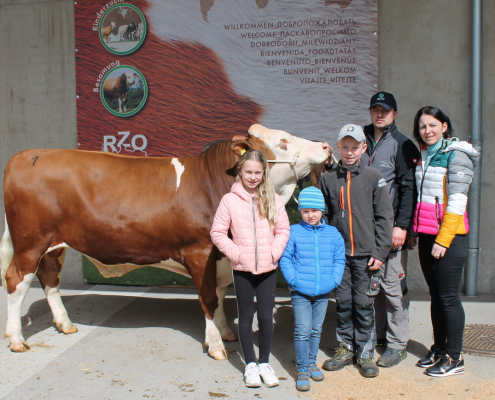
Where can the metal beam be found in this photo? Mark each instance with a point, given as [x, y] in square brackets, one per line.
[474, 203]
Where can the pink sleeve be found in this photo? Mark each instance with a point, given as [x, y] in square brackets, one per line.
[220, 229]
[281, 230]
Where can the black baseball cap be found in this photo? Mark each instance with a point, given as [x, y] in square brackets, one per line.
[384, 99]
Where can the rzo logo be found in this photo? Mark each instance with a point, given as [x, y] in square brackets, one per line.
[110, 143]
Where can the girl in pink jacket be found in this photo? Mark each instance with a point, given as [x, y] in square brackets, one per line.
[257, 219]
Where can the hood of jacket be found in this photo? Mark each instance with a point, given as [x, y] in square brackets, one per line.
[465, 147]
[238, 189]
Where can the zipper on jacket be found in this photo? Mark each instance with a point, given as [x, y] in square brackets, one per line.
[317, 258]
[351, 232]
[421, 186]
[341, 201]
[255, 239]
[437, 211]
[374, 150]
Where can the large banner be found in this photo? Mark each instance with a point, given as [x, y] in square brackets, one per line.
[167, 77]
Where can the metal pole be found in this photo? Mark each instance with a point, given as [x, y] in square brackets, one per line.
[474, 203]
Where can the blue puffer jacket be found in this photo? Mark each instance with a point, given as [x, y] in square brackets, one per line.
[314, 259]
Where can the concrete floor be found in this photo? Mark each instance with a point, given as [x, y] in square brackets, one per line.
[136, 343]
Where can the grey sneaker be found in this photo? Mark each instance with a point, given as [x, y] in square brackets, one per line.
[315, 372]
[368, 367]
[391, 357]
[343, 356]
[302, 382]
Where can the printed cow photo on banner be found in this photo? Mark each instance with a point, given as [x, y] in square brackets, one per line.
[122, 29]
[124, 91]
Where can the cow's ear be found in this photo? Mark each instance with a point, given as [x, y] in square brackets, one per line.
[237, 138]
[239, 147]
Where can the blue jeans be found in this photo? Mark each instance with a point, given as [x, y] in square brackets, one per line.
[309, 313]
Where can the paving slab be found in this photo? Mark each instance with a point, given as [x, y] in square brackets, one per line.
[141, 342]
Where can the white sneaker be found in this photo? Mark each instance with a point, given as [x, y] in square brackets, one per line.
[252, 375]
[268, 375]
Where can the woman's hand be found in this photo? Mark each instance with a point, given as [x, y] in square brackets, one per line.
[438, 251]
[412, 241]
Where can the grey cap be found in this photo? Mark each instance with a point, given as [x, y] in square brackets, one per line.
[354, 131]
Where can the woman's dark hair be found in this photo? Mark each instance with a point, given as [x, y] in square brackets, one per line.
[437, 114]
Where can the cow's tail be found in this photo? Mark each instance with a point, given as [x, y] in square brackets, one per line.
[6, 252]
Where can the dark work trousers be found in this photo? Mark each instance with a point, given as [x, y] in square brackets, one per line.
[246, 286]
[443, 277]
[355, 311]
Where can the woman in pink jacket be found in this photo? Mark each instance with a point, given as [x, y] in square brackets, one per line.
[257, 219]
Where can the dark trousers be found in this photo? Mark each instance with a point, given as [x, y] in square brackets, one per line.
[355, 311]
[443, 277]
[246, 285]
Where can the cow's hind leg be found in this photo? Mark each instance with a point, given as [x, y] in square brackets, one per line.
[49, 275]
[18, 284]
[204, 278]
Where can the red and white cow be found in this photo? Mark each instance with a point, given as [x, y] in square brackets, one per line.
[161, 216]
[117, 88]
[107, 30]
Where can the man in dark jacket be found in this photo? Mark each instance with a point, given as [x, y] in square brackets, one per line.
[395, 156]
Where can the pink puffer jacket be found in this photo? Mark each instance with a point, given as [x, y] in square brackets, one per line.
[255, 247]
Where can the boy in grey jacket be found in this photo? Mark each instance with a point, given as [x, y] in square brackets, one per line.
[358, 205]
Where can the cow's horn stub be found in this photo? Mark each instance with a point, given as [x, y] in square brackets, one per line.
[257, 130]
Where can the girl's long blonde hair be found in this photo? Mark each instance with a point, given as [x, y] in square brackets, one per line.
[265, 194]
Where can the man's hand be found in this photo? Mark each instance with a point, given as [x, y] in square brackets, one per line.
[399, 236]
[412, 242]
[374, 264]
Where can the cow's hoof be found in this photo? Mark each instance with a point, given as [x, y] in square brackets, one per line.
[219, 355]
[20, 348]
[230, 337]
[67, 328]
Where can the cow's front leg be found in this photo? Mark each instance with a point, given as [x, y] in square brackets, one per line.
[204, 278]
[120, 104]
[213, 340]
[221, 320]
[124, 102]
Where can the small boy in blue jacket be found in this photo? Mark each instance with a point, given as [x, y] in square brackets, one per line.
[313, 264]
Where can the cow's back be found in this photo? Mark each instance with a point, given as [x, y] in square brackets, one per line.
[100, 203]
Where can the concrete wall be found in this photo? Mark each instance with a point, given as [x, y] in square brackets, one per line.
[425, 59]
[38, 101]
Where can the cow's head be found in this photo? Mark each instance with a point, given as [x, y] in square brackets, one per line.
[113, 25]
[294, 157]
[130, 78]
